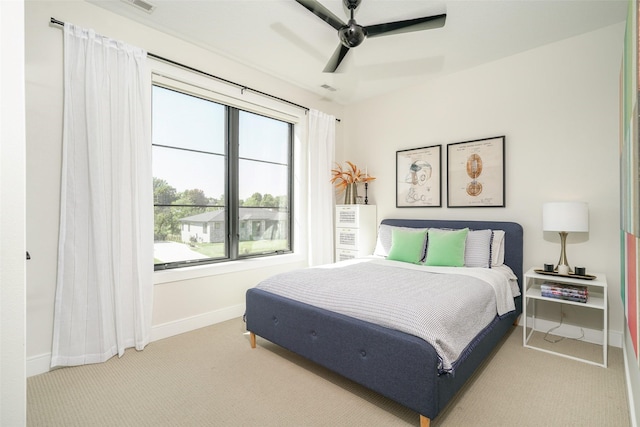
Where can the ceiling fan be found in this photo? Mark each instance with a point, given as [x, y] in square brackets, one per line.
[351, 34]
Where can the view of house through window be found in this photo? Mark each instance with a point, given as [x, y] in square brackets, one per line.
[221, 181]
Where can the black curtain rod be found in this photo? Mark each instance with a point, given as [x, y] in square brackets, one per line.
[243, 87]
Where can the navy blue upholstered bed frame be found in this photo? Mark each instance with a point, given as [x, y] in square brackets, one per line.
[399, 366]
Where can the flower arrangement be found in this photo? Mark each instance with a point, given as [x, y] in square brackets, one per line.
[350, 174]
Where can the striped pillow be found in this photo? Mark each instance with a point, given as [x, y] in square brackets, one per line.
[477, 252]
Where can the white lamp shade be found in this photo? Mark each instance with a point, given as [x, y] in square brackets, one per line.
[565, 216]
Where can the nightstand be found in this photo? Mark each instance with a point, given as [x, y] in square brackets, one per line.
[596, 305]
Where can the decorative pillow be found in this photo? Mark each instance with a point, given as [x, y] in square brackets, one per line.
[407, 245]
[383, 243]
[446, 248]
[497, 248]
[477, 250]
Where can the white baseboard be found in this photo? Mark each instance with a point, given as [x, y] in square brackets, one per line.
[40, 364]
[181, 326]
[571, 331]
[37, 365]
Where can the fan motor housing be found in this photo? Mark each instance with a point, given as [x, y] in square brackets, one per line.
[352, 35]
[352, 4]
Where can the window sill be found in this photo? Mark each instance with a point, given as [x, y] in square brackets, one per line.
[195, 272]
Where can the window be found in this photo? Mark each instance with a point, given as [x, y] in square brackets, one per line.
[222, 181]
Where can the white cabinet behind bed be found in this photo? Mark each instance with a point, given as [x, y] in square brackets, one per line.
[356, 228]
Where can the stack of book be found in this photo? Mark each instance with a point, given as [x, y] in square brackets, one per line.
[567, 292]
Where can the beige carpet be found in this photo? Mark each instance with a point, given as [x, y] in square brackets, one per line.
[211, 377]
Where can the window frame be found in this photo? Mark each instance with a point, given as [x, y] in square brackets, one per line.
[188, 82]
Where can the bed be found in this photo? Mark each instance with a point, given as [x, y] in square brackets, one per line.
[398, 363]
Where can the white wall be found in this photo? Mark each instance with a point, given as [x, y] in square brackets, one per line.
[182, 300]
[13, 396]
[558, 107]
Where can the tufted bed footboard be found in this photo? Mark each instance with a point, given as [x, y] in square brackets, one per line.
[399, 366]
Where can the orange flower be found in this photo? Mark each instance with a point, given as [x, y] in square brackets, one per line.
[350, 174]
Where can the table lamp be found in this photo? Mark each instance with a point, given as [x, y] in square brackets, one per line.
[565, 218]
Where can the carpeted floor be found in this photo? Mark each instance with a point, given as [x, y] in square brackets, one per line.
[211, 377]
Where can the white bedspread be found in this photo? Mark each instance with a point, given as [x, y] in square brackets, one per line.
[445, 306]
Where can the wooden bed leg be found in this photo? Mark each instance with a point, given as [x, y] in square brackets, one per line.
[424, 421]
[252, 340]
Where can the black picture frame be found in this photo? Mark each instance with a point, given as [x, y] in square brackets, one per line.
[419, 177]
[476, 173]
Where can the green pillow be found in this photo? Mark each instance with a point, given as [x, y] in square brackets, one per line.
[407, 245]
[446, 248]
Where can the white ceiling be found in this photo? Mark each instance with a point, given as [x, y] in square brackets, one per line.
[282, 38]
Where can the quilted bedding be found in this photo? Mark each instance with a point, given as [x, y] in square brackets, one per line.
[446, 307]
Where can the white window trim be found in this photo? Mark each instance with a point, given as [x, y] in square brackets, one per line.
[207, 270]
[200, 85]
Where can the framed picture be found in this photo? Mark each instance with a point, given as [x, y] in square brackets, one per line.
[419, 177]
[475, 173]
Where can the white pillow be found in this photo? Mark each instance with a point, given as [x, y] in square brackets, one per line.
[384, 241]
[477, 250]
[497, 248]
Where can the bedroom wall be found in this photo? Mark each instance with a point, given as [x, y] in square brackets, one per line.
[182, 300]
[558, 106]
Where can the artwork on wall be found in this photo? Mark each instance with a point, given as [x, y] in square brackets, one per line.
[476, 173]
[630, 179]
[418, 177]
[630, 162]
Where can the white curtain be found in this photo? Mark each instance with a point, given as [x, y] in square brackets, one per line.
[105, 253]
[322, 142]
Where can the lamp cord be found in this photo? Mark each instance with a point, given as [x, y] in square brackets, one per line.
[546, 335]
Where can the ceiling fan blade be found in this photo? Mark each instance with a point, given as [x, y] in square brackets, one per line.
[323, 13]
[336, 59]
[399, 27]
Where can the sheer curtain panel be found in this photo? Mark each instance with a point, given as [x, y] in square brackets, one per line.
[105, 253]
[322, 142]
